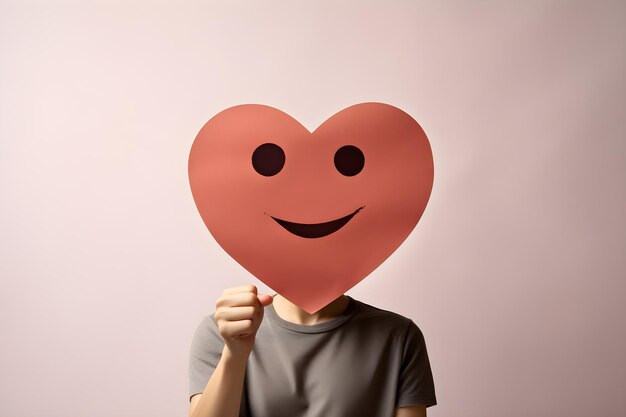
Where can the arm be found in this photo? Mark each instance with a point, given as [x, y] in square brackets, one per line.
[412, 411]
[415, 382]
[239, 312]
[222, 395]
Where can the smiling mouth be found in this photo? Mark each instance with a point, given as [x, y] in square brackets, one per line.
[312, 231]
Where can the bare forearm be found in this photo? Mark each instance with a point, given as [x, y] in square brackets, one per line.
[222, 394]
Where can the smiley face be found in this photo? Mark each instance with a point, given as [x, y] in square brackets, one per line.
[311, 214]
[268, 160]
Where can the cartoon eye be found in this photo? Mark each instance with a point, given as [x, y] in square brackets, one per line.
[349, 160]
[268, 159]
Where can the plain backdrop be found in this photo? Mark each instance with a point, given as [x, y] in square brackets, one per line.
[515, 273]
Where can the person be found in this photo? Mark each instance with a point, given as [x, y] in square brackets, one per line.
[348, 359]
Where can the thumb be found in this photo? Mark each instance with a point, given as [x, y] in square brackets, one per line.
[265, 299]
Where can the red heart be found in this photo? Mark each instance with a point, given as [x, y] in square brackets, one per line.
[311, 214]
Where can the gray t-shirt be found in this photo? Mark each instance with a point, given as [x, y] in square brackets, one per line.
[364, 362]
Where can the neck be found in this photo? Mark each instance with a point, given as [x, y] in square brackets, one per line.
[287, 310]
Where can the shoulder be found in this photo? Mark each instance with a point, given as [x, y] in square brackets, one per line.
[207, 324]
[370, 312]
[207, 334]
[385, 320]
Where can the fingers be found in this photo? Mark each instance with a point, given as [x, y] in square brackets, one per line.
[239, 312]
[265, 299]
[235, 313]
[237, 300]
[236, 329]
[246, 295]
[239, 305]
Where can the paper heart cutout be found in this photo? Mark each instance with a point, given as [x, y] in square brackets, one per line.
[311, 214]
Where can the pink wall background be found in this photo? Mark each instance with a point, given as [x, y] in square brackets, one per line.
[515, 274]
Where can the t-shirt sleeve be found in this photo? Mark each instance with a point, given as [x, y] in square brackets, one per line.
[206, 350]
[415, 384]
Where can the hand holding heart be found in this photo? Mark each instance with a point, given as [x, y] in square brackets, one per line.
[311, 214]
[238, 314]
